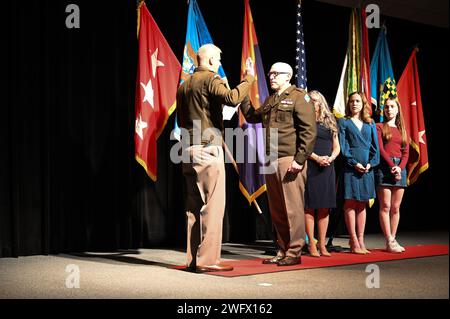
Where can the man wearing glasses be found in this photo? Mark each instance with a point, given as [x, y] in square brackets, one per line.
[290, 111]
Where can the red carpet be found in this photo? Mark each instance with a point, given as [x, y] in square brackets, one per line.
[254, 266]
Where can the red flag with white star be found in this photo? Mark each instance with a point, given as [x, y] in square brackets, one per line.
[156, 88]
[408, 90]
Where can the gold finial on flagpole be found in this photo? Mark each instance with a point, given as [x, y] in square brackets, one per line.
[139, 16]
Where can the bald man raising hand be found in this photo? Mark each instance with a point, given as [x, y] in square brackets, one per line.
[200, 101]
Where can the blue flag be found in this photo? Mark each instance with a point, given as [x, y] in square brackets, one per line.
[197, 34]
[382, 78]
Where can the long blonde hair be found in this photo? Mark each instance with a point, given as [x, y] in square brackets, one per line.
[325, 116]
[399, 122]
[366, 110]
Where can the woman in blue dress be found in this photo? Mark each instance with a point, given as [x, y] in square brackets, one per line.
[360, 151]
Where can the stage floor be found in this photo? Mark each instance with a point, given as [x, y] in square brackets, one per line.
[148, 273]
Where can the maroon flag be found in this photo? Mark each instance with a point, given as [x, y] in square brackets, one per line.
[156, 88]
[408, 90]
[251, 180]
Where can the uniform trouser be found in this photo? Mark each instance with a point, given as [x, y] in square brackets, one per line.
[286, 202]
[205, 204]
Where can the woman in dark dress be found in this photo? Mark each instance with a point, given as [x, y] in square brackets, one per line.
[360, 152]
[320, 189]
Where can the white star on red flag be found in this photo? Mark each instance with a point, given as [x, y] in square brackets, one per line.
[155, 62]
[139, 127]
[148, 93]
[421, 140]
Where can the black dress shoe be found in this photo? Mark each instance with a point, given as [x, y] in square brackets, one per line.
[290, 261]
[273, 260]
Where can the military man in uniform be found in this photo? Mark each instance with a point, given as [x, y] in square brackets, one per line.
[291, 113]
[200, 101]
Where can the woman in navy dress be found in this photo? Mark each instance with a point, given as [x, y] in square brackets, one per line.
[320, 189]
[391, 173]
[360, 151]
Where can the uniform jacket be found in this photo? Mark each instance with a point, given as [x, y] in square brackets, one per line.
[201, 97]
[292, 113]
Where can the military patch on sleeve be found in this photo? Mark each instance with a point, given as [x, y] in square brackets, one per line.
[307, 98]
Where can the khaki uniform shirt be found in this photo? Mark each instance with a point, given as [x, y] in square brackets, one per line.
[201, 97]
[292, 114]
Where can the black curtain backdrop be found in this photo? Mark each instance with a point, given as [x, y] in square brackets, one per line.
[68, 178]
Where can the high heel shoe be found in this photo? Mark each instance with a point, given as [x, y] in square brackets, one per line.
[362, 246]
[355, 250]
[313, 252]
[324, 252]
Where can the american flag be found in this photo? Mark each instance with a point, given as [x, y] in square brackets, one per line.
[300, 57]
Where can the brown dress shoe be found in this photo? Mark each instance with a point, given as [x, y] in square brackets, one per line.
[273, 260]
[290, 261]
[219, 267]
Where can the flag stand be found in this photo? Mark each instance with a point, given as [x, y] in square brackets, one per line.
[330, 246]
[337, 212]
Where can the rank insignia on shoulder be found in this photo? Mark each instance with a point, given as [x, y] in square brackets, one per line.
[287, 101]
[307, 98]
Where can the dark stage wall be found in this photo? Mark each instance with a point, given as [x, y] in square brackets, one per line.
[68, 178]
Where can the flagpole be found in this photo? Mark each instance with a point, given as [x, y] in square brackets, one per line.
[227, 151]
[139, 16]
[266, 223]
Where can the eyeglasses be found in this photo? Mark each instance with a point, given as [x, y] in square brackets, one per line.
[275, 74]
